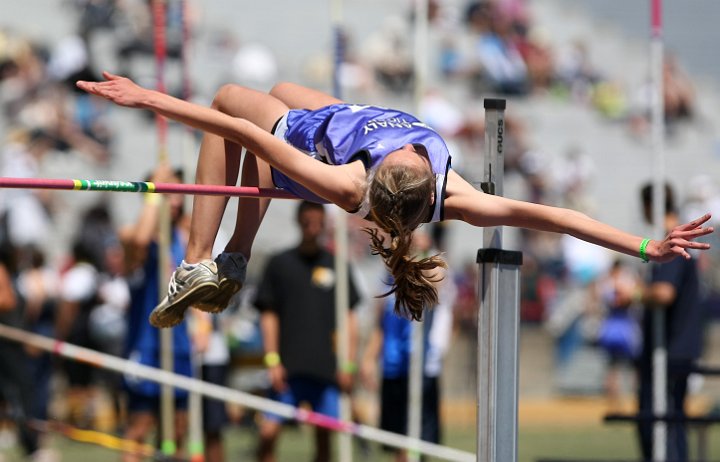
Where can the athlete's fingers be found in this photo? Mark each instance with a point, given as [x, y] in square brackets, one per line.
[695, 223]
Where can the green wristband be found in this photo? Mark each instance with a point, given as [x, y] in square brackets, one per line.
[643, 247]
[272, 359]
[349, 367]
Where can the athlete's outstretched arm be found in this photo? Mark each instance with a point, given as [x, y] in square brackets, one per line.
[464, 202]
[337, 184]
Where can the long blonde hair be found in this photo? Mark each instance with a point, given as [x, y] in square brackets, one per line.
[399, 199]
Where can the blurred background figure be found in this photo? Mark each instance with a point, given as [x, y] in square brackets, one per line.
[92, 304]
[673, 287]
[135, 33]
[678, 91]
[38, 286]
[78, 297]
[26, 215]
[500, 68]
[389, 53]
[576, 70]
[619, 334]
[575, 315]
[142, 344]
[703, 193]
[108, 325]
[679, 103]
[297, 300]
[17, 385]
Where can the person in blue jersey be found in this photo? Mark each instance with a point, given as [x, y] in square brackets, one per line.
[142, 343]
[381, 163]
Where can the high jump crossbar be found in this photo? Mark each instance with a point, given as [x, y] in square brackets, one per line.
[123, 366]
[144, 187]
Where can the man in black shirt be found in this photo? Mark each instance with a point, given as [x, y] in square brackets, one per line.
[297, 299]
[675, 288]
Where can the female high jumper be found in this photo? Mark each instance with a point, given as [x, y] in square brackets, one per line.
[380, 163]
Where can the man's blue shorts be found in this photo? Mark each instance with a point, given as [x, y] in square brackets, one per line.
[323, 397]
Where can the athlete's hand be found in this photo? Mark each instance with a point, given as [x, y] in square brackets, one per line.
[680, 239]
[120, 90]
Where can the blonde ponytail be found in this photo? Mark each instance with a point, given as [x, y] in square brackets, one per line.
[413, 279]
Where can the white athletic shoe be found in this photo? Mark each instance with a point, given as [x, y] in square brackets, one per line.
[187, 288]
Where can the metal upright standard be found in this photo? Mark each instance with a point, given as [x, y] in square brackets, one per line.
[498, 315]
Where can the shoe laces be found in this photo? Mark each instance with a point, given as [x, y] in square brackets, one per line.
[174, 286]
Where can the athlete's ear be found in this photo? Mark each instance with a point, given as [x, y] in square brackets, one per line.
[432, 199]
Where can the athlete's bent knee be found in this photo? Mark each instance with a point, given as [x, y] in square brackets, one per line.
[225, 95]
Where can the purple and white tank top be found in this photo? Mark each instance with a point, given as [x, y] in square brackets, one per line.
[343, 133]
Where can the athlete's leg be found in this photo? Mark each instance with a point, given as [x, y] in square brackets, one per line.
[298, 97]
[219, 163]
[250, 212]
[205, 284]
